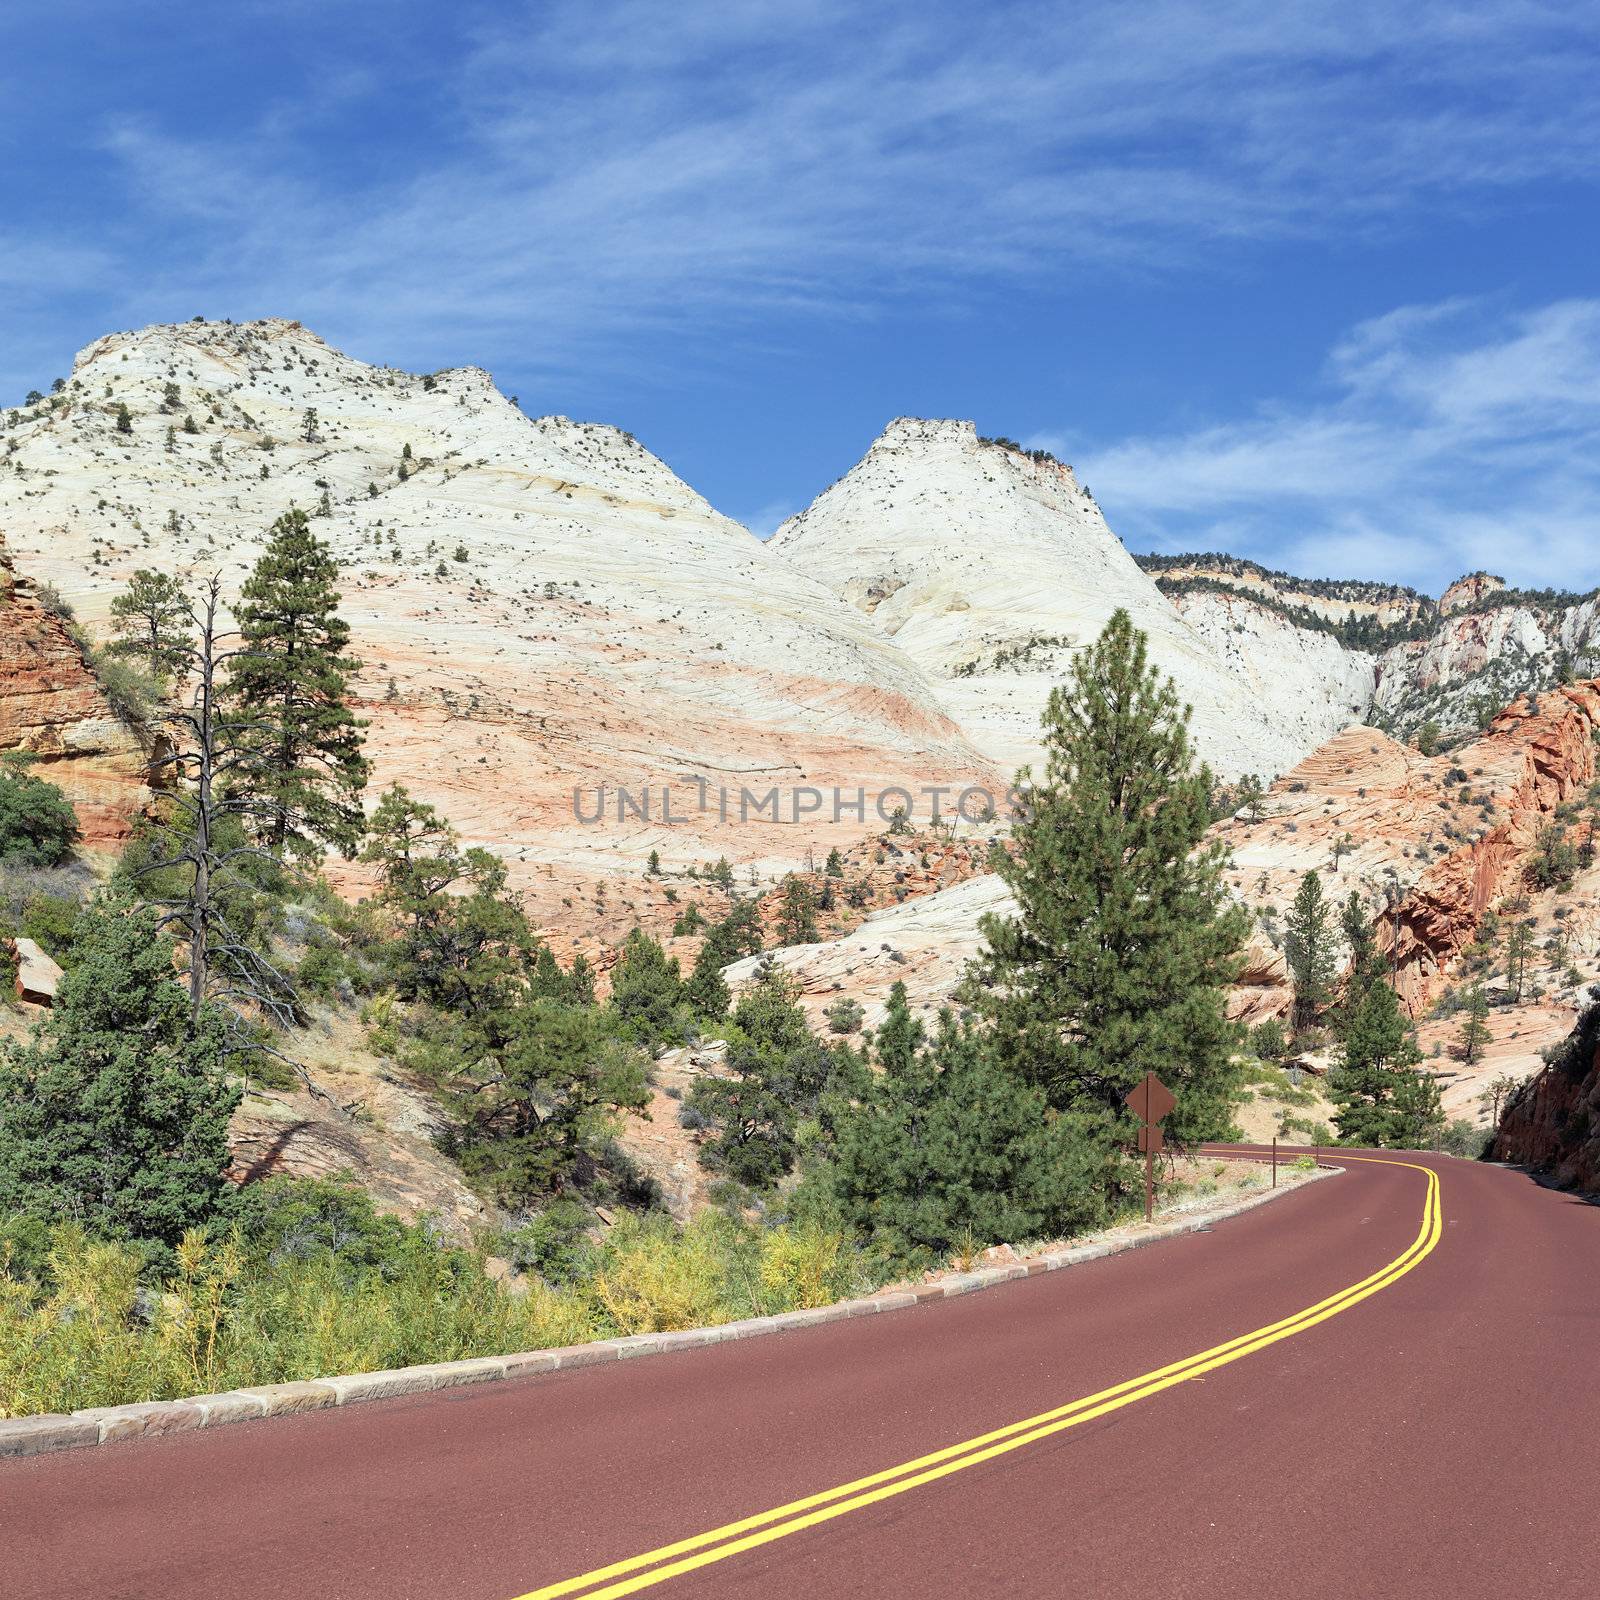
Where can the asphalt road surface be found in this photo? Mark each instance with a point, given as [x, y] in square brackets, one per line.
[1387, 1383]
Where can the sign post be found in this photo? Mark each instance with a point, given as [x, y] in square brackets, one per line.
[1149, 1100]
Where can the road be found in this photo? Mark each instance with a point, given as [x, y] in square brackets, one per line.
[1401, 1399]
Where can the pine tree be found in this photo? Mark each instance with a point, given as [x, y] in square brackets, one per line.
[1554, 859]
[782, 1082]
[944, 1147]
[1249, 796]
[1519, 951]
[115, 1113]
[646, 990]
[124, 418]
[1119, 959]
[38, 826]
[706, 989]
[797, 915]
[289, 686]
[151, 620]
[1474, 1034]
[1308, 950]
[1418, 1111]
[835, 864]
[1372, 1080]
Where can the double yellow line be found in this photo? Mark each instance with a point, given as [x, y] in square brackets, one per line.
[749, 1533]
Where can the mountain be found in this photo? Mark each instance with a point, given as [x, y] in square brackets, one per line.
[1399, 659]
[989, 566]
[542, 607]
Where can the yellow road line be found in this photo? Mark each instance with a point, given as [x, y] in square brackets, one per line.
[748, 1533]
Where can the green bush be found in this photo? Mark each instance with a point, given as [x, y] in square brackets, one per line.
[134, 695]
[944, 1146]
[114, 1114]
[1463, 1137]
[53, 922]
[38, 826]
[309, 1283]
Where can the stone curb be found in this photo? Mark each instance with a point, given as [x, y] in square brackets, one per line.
[37, 1435]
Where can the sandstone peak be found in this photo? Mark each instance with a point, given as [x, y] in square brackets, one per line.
[989, 566]
[1469, 591]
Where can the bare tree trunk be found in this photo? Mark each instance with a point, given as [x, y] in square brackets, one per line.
[205, 776]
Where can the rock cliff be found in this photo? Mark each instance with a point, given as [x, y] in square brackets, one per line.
[1377, 653]
[53, 709]
[1552, 1122]
[1432, 842]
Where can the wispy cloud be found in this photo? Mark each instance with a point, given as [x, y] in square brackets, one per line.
[593, 172]
[1452, 437]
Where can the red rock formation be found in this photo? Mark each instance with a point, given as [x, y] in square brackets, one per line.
[1541, 758]
[52, 707]
[1262, 989]
[1553, 1121]
[1469, 591]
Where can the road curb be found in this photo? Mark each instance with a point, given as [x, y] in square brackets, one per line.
[37, 1435]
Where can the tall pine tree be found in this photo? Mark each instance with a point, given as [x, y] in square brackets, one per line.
[1118, 960]
[288, 688]
[1308, 950]
[1382, 1097]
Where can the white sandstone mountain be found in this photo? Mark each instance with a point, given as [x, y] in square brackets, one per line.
[989, 567]
[541, 606]
[1389, 655]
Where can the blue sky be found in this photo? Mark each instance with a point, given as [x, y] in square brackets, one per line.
[1314, 283]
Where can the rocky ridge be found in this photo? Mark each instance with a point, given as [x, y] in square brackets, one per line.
[1390, 656]
[544, 610]
[988, 567]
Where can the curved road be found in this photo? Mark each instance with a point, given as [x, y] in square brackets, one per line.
[1395, 1395]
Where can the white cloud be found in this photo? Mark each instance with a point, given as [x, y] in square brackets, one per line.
[619, 168]
[1453, 437]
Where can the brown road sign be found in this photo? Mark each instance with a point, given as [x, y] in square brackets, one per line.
[1149, 1099]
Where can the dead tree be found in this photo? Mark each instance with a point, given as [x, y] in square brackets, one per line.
[221, 962]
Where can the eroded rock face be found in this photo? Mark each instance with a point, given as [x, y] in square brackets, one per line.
[1462, 658]
[989, 569]
[1431, 842]
[924, 943]
[53, 709]
[1482, 659]
[1307, 682]
[1469, 591]
[1553, 1122]
[297, 1135]
[542, 606]
[1544, 755]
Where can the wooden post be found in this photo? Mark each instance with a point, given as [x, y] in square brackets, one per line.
[1274, 1161]
[1149, 1184]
